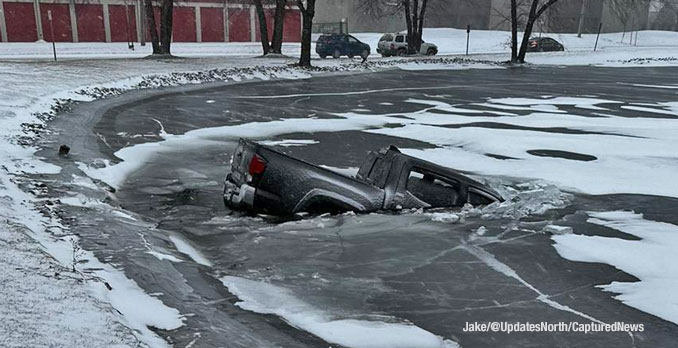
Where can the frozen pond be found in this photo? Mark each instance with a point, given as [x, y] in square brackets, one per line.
[570, 148]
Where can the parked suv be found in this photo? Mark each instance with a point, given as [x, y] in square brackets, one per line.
[337, 45]
[395, 44]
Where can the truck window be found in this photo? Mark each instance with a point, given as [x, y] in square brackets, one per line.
[433, 189]
[400, 38]
[478, 197]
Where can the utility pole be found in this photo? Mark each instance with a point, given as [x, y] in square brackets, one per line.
[582, 14]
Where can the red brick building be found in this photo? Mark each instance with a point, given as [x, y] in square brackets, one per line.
[123, 20]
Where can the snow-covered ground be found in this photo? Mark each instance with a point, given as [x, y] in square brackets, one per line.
[453, 41]
[94, 307]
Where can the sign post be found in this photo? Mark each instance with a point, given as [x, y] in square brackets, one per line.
[51, 31]
[600, 26]
[468, 37]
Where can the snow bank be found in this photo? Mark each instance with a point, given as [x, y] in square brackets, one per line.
[266, 298]
[651, 259]
[137, 310]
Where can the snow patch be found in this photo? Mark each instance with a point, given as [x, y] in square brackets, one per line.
[185, 247]
[351, 172]
[265, 298]
[652, 259]
[575, 101]
[288, 142]
[555, 229]
[135, 157]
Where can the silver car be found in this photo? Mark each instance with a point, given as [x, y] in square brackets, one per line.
[395, 44]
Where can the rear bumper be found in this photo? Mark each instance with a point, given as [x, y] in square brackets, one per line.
[238, 197]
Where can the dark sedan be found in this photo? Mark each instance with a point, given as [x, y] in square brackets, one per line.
[544, 44]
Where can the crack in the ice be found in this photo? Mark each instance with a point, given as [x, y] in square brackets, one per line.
[503, 268]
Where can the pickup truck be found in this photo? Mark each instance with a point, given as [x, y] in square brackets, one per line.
[263, 180]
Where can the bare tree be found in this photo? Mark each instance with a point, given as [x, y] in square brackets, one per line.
[263, 27]
[307, 13]
[666, 15]
[161, 42]
[275, 45]
[629, 10]
[514, 31]
[414, 11]
[278, 26]
[414, 17]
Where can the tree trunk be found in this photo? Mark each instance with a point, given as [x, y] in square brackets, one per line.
[278, 26]
[152, 28]
[514, 31]
[307, 14]
[166, 14]
[420, 31]
[412, 37]
[408, 20]
[526, 39]
[263, 28]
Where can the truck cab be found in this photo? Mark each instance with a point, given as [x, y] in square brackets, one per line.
[411, 182]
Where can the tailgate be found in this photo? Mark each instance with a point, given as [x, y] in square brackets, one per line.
[240, 162]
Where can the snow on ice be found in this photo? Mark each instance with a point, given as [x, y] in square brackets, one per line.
[652, 259]
[266, 298]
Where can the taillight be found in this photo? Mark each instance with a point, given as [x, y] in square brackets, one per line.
[533, 43]
[257, 165]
